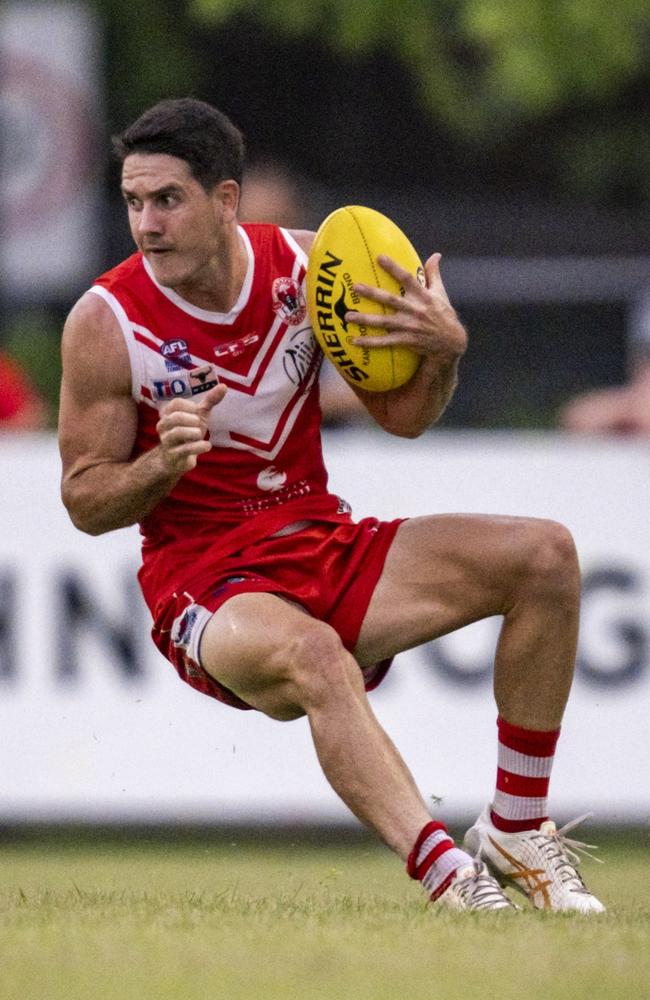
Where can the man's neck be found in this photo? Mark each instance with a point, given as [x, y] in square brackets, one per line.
[218, 288]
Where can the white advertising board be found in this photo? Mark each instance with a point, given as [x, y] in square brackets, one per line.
[96, 726]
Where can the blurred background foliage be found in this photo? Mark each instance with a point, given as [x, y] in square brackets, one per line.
[493, 102]
[481, 65]
[566, 81]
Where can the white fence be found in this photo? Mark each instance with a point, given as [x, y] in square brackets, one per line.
[95, 725]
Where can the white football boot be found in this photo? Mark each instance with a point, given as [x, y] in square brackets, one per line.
[473, 888]
[540, 863]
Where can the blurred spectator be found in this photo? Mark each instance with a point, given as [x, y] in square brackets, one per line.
[270, 194]
[623, 409]
[21, 408]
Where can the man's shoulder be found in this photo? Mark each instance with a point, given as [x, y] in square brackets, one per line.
[92, 329]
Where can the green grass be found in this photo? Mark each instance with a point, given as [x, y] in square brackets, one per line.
[192, 921]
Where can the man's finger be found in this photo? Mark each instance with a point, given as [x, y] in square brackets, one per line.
[393, 268]
[432, 272]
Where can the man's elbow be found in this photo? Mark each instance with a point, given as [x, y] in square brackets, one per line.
[83, 521]
[412, 429]
[85, 517]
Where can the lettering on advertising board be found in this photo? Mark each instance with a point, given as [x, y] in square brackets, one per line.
[613, 653]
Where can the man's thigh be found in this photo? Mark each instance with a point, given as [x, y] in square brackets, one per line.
[247, 647]
[442, 572]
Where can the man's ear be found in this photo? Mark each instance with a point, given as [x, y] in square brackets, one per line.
[226, 196]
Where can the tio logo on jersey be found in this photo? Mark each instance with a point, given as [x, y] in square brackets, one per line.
[170, 388]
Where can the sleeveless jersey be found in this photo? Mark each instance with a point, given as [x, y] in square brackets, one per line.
[265, 469]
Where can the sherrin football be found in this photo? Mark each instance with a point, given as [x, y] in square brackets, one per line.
[344, 252]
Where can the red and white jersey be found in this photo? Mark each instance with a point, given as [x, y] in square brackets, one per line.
[265, 469]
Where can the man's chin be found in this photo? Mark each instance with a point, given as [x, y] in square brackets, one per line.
[163, 270]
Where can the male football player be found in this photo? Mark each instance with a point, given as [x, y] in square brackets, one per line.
[190, 405]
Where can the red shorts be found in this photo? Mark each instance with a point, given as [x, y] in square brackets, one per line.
[329, 569]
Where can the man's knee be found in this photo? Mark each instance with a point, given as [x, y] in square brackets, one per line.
[550, 556]
[317, 665]
[302, 669]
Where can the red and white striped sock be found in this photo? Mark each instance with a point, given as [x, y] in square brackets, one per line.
[523, 775]
[435, 859]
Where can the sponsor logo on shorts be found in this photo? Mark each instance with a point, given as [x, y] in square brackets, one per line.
[271, 479]
[186, 633]
[289, 301]
[183, 629]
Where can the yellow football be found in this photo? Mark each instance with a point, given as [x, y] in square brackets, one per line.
[344, 252]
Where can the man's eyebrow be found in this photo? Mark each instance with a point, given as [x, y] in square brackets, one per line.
[166, 189]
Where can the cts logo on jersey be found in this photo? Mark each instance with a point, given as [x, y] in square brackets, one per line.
[235, 347]
[289, 301]
[176, 355]
[271, 479]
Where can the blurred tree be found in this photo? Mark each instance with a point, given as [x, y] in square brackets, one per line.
[149, 54]
[482, 65]
[559, 85]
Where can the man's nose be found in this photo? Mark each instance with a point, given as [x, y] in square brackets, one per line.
[149, 220]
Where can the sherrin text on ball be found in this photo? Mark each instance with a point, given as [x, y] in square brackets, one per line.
[345, 252]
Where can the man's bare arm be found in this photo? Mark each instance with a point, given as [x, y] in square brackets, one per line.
[103, 488]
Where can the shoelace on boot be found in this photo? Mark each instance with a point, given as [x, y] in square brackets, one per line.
[563, 853]
[482, 891]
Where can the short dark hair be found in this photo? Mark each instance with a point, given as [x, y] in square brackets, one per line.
[193, 131]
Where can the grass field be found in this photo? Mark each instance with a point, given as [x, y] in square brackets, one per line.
[222, 918]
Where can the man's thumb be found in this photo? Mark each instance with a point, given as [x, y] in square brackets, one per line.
[211, 398]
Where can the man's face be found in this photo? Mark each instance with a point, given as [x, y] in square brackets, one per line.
[174, 221]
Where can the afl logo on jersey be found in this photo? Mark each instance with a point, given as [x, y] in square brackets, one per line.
[176, 355]
[289, 301]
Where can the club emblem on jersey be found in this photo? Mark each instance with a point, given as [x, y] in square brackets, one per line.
[289, 301]
[202, 379]
[176, 355]
[300, 356]
[271, 479]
